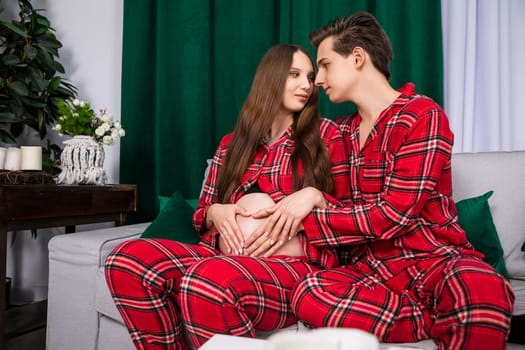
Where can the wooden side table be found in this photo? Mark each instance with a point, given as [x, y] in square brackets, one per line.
[24, 207]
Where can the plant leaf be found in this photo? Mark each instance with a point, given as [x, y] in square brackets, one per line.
[54, 84]
[43, 22]
[15, 29]
[30, 52]
[42, 25]
[6, 137]
[48, 42]
[27, 3]
[36, 78]
[64, 91]
[10, 60]
[33, 103]
[58, 67]
[42, 123]
[8, 117]
[16, 106]
[19, 87]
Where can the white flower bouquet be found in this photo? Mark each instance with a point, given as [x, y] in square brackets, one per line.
[78, 118]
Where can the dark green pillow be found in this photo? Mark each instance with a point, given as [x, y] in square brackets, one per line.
[193, 203]
[174, 221]
[163, 201]
[476, 219]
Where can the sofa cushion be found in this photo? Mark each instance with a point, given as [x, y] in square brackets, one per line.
[502, 172]
[475, 218]
[113, 335]
[164, 200]
[103, 300]
[193, 202]
[174, 222]
[518, 286]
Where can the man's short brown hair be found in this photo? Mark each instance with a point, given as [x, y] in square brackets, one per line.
[360, 29]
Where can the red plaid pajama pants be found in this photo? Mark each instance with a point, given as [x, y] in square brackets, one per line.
[238, 295]
[459, 302]
[229, 295]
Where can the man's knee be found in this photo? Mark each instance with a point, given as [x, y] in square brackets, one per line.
[476, 303]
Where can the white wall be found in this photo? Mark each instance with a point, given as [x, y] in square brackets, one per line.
[91, 35]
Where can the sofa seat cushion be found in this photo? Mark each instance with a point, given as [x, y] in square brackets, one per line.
[519, 292]
[113, 336]
[103, 300]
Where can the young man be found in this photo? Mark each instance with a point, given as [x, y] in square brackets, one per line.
[410, 273]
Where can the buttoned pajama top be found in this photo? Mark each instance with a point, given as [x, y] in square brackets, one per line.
[272, 170]
[401, 210]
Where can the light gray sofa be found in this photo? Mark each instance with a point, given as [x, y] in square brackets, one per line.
[81, 314]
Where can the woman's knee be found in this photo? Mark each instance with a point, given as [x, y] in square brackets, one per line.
[235, 277]
[150, 262]
[123, 255]
[214, 272]
[211, 290]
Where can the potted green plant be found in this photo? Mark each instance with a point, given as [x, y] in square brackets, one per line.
[30, 85]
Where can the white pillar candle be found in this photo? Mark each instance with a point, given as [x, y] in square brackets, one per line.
[12, 159]
[3, 152]
[31, 158]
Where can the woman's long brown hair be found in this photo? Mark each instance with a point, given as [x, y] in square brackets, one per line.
[255, 121]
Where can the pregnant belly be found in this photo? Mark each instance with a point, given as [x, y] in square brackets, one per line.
[254, 202]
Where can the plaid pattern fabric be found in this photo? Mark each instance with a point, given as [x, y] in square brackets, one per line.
[272, 170]
[237, 295]
[143, 276]
[444, 298]
[401, 215]
[401, 185]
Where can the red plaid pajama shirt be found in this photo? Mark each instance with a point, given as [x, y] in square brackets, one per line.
[231, 295]
[410, 273]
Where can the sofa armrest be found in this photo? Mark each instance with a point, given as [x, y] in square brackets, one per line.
[74, 261]
[91, 247]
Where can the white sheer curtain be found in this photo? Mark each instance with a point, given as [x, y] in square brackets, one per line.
[484, 73]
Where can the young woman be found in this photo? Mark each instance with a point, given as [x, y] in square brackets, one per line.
[280, 144]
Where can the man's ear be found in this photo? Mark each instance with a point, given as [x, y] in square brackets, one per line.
[359, 56]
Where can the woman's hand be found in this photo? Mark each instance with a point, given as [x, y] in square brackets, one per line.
[285, 220]
[222, 216]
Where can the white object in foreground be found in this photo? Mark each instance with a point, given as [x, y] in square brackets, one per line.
[325, 339]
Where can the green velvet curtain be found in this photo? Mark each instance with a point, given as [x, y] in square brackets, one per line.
[188, 64]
